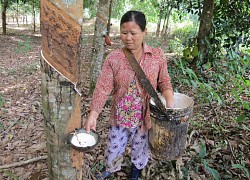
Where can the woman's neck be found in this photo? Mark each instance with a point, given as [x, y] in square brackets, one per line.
[138, 53]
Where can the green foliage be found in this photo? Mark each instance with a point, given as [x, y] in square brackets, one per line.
[12, 71]
[227, 77]
[98, 167]
[23, 7]
[90, 8]
[175, 45]
[241, 118]
[232, 78]
[222, 81]
[1, 99]
[154, 41]
[120, 7]
[9, 174]
[186, 33]
[231, 20]
[204, 155]
[24, 46]
[31, 68]
[230, 31]
[203, 150]
[243, 168]
[189, 53]
[212, 171]
[201, 161]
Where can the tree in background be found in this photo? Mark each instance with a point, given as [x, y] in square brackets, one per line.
[165, 7]
[19, 8]
[35, 5]
[231, 24]
[4, 4]
[204, 30]
[90, 8]
[223, 25]
[101, 34]
[220, 24]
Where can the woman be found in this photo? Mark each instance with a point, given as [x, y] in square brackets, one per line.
[130, 115]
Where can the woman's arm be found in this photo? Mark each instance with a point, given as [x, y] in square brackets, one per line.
[101, 93]
[164, 82]
[168, 95]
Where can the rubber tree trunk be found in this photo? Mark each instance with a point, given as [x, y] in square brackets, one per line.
[167, 22]
[159, 22]
[34, 16]
[204, 29]
[99, 45]
[4, 9]
[60, 67]
[17, 13]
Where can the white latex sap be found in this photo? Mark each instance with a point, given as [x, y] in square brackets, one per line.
[83, 140]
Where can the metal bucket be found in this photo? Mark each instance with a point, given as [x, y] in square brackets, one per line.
[167, 139]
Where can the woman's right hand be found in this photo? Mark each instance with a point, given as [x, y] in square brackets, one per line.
[90, 123]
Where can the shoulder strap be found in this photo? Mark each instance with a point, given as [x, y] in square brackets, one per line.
[144, 81]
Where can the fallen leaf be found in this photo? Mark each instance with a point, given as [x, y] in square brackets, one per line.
[8, 159]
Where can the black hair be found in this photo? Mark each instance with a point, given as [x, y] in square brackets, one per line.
[136, 16]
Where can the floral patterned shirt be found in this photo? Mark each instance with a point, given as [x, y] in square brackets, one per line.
[129, 108]
[117, 74]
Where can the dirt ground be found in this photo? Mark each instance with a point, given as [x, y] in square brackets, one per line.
[23, 141]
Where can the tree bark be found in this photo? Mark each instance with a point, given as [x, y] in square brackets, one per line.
[164, 23]
[159, 22]
[60, 103]
[17, 13]
[34, 16]
[61, 37]
[109, 18]
[99, 45]
[167, 22]
[4, 9]
[204, 29]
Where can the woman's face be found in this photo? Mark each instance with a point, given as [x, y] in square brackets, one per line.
[131, 35]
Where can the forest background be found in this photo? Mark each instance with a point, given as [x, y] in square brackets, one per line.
[217, 77]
